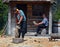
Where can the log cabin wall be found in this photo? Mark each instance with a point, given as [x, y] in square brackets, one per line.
[29, 12]
[29, 6]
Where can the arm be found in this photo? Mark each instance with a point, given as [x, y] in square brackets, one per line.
[43, 21]
[21, 18]
[40, 23]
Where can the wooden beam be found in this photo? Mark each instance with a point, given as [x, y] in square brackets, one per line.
[7, 1]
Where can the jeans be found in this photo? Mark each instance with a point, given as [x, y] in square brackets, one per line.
[23, 29]
[39, 28]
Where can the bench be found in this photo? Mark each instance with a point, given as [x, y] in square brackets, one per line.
[44, 31]
[54, 36]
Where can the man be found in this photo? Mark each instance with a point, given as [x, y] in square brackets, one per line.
[42, 24]
[21, 22]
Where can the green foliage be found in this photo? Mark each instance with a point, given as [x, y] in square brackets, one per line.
[3, 14]
[1, 31]
[56, 15]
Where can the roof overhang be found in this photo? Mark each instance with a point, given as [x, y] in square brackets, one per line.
[7, 1]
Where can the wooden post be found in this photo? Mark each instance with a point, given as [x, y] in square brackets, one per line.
[9, 22]
[50, 21]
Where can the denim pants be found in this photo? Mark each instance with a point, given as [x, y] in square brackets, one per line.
[23, 29]
[39, 28]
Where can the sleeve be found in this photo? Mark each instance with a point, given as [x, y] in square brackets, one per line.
[43, 21]
[21, 13]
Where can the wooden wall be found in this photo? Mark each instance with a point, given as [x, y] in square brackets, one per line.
[30, 17]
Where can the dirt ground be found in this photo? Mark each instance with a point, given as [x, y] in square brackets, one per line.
[29, 42]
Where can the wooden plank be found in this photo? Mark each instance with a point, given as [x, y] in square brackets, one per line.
[26, 0]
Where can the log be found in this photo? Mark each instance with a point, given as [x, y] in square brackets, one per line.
[17, 40]
[54, 36]
[16, 31]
